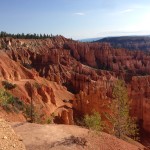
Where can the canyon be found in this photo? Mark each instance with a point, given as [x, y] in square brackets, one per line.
[66, 79]
[128, 42]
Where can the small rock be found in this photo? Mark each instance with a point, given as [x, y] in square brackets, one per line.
[20, 138]
[5, 137]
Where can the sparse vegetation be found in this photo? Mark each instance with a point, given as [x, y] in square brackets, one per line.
[30, 114]
[50, 119]
[9, 102]
[18, 104]
[93, 121]
[33, 114]
[37, 85]
[8, 86]
[70, 141]
[123, 125]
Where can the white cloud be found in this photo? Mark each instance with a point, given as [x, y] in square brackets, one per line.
[126, 11]
[125, 32]
[79, 14]
[122, 12]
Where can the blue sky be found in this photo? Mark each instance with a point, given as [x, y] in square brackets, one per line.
[76, 18]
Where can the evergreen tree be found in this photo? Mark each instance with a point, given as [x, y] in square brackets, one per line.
[47, 36]
[41, 36]
[123, 125]
[3, 34]
[44, 36]
[25, 36]
[35, 36]
[22, 36]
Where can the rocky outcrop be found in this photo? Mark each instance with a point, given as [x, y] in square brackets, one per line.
[52, 56]
[87, 70]
[103, 56]
[47, 96]
[139, 90]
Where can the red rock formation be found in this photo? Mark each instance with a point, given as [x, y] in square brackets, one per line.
[139, 90]
[86, 69]
[47, 96]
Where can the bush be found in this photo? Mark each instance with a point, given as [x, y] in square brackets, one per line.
[51, 118]
[18, 104]
[71, 141]
[93, 121]
[32, 114]
[9, 102]
[28, 112]
[5, 99]
[8, 86]
[49, 121]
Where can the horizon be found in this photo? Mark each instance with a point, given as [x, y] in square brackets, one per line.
[77, 20]
[82, 39]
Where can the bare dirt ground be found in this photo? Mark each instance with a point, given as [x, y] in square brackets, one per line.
[8, 139]
[67, 137]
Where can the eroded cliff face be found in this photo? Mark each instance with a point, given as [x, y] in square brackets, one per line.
[139, 93]
[47, 96]
[103, 56]
[87, 70]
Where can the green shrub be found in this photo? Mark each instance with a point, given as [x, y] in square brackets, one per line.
[32, 114]
[27, 111]
[5, 98]
[51, 118]
[18, 104]
[49, 121]
[9, 102]
[93, 121]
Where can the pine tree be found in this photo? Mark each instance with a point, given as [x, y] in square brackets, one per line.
[25, 36]
[123, 125]
[22, 35]
[44, 36]
[40, 36]
[34, 36]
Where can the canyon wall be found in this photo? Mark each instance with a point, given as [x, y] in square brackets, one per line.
[81, 75]
[47, 96]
